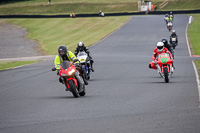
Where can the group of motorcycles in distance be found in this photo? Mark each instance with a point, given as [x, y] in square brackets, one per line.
[169, 19]
[164, 63]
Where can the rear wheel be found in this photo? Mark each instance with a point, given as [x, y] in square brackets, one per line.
[73, 88]
[166, 76]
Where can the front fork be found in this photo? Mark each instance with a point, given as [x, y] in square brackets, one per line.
[160, 69]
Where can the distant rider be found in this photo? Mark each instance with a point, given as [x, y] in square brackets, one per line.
[157, 51]
[171, 15]
[173, 35]
[63, 54]
[81, 47]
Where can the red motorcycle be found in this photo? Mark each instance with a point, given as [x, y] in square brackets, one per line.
[71, 78]
[164, 65]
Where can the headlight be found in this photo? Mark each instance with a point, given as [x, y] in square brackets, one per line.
[63, 74]
[72, 71]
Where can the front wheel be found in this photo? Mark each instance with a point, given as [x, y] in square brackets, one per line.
[73, 88]
[166, 76]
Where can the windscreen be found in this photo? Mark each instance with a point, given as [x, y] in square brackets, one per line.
[81, 54]
[65, 64]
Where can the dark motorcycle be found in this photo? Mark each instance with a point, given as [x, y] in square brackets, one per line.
[71, 78]
[174, 44]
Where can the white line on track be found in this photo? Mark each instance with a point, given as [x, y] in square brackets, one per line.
[186, 35]
[197, 78]
[194, 66]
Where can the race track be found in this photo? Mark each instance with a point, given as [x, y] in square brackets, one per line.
[123, 95]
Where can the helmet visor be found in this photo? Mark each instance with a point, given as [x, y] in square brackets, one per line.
[159, 47]
[62, 52]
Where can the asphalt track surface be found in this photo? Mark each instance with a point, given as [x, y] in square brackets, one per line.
[14, 41]
[123, 95]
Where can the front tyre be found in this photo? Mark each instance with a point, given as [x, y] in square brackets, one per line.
[73, 88]
[166, 76]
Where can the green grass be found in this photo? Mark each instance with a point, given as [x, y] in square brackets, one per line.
[194, 34]
[183, 5]
[50, 33]
[11, 64]
[41, 7]
[66, 6]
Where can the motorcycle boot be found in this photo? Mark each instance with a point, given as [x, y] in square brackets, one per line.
[91, 63]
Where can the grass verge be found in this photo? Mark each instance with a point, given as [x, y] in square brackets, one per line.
[50, 33]
[194, 34]
[182, 5]
[11, 64]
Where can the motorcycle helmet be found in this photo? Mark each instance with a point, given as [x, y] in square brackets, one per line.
[160, 46]
[164, 41]
[81, 46]
[173, 32]
[62, 50]
[170, 13]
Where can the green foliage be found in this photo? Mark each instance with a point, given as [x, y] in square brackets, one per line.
[194, 34]
[11, 64]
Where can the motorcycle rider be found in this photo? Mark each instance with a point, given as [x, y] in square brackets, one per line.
[157, 51]
[63, 54]
[171, 15]
[81, 47]
[166, 18]
[168, 46]
[173, 35]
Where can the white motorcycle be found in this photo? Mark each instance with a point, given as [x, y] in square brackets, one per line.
[169, 26]
[85, 63]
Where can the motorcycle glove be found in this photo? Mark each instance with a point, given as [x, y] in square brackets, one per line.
[58, 71]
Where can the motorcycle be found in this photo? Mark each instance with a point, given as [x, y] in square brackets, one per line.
[174, 44]
[169, 26]
[85, 63]
[164, 65]
[71, 78]
[166, 19]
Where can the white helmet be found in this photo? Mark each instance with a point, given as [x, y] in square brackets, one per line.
[174, 31]
[80, 44]
[160, 46]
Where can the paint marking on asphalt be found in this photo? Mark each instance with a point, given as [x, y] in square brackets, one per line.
[197, 78]
[186, 35]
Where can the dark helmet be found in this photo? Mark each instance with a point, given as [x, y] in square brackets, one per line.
[62, 50]
[81, 46]
[164, 41]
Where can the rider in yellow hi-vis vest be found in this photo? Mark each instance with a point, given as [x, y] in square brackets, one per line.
[63, 54]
